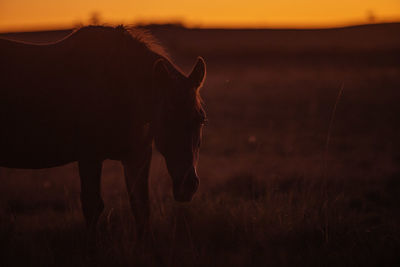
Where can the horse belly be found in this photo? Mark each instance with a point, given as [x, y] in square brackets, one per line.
[35, 140]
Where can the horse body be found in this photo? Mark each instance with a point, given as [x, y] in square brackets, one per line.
[66, 101]
[100, 93]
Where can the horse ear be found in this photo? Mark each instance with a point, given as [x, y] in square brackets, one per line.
[199, 72]
[160, 71]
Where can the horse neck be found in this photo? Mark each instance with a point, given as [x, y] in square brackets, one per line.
[158, 99]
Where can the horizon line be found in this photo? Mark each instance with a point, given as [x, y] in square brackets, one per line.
[61, 27]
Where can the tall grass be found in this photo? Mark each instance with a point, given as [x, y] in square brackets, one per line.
[247, 221]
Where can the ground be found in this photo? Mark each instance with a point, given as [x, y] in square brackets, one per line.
[299, 164]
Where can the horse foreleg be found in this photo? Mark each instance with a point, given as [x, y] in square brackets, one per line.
[136, 176]
[92, 203]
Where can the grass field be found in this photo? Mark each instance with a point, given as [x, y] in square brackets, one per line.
[273, 191]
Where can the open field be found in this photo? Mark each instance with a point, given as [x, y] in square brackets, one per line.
[273, 191]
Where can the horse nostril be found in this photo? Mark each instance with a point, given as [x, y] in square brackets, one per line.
[184, 190]
[196, 183]
[191, 182]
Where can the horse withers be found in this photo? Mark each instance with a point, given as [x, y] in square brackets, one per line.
[101, 93]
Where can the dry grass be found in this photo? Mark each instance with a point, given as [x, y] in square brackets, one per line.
[246, 221]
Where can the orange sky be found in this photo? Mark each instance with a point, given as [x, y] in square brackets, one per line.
[33, 14]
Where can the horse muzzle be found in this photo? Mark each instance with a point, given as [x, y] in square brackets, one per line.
[185, 188]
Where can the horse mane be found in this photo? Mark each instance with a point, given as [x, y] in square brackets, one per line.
[141, 36]
[149, 40]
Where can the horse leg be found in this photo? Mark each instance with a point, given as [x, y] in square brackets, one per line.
[92, 203]
[136, 176]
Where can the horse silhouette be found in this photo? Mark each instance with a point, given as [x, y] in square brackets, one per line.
[101, 93]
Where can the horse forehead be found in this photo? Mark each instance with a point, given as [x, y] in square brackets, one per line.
[187, 97]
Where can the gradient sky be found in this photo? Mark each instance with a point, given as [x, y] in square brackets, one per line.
[33, 14]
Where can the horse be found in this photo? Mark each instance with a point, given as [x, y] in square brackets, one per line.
[101, 93]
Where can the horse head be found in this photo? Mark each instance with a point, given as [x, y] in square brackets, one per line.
[178, 122]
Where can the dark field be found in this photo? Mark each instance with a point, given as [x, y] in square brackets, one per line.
[283, 181]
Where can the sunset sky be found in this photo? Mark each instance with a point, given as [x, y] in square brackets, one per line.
[42, 14]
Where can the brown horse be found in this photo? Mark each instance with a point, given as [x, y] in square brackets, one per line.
[101, 93]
